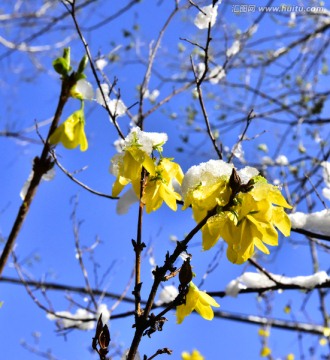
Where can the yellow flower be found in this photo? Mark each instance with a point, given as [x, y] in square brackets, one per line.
[263, 332]
[287, 309]
[265, 351]
[323, 341]
[251, 223]
[196, 300]
[137, 149]
[195, 355]
[159, 188]
[203, 189]
[326, 331]
[290, 357]
[249, 210]
[127, 166]
[72, 132]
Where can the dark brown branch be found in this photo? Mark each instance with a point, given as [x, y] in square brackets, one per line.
[41, 165]
[276, 323]
[61, 287]
[311, 234]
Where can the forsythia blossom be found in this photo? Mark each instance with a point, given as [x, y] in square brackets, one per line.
[247, 216]
[195, 355]
[72, 132]
[136, 154]
[159, 188]
[196, 300]
[127, 165]
[265, 351]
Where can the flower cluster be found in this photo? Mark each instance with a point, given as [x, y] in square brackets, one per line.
[248, 208]
[137, 154]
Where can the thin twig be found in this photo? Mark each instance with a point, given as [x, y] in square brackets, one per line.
[74, 179]
[72, 11]
[79, 253]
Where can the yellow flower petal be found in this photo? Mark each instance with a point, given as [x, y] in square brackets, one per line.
[212, 230]
[265, 351]
[204, 311]
[196, 300]
[206, 299]
[195, 355]
[71, 133]
[159, 188]
[323, 341]
[263, 332]
[287, 309]
[269, 192]
[326, 331]
[281, 220]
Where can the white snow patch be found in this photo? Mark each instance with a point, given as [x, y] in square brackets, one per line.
[147, 140]
[282, 160]
[207, 173]
[318, 222]
[234, 49]
[125, 202]
[207, 16]
[81, 319]
[251, 280]
[168, 294]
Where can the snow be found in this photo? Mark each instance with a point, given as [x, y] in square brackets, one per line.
[326, 193]
[318, 222]
[84, 88]
[74, 320]
[101, 64]
[103, 309]
[50, 174]
[98, 94]
[119, 145]
[282, 160]
[326, 179]
[251, 280]
[267, 160]
[168, 294]
[125, 202]
[152, 96]
[207, 173]
[116, 106]
[81, 319]
[238, 152]
[247, 173]
[147, 140]
[216, 74]
[234, 49]
[207, 16]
